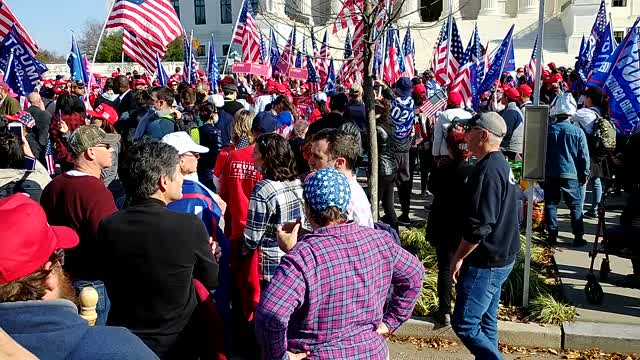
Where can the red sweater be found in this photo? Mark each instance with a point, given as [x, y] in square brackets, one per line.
[79, 202]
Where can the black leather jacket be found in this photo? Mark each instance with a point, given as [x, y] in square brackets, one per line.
[386, 158]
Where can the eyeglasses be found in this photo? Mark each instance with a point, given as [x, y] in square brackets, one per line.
[106, 146]
[190, 154]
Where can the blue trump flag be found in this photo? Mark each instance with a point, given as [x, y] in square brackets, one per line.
[76, 66]
[22, 70]
[498, 63]
[606, 47]
[620, 77]
[510, 65]
[163, 78]
[213, 69]
[274, 52]
[330, 84]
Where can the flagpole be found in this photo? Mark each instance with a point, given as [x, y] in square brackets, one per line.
[449, 29]
[226, 58]
[8, 70]
[104, 26]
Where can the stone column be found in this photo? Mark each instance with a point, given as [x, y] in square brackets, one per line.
[276, 7]
[305, 11]
[455, 8]
[489, 8]
[409, 13]
[528, 7]
[635, 7]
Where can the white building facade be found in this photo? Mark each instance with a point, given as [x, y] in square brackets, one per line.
[565, 23]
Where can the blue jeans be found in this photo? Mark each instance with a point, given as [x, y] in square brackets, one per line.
[596, 192]
[572, 193]
[104, 304]
[475, 316]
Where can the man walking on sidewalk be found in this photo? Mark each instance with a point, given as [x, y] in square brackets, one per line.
[490, 239]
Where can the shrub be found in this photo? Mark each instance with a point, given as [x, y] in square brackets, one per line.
[547, 310]
[414, 241]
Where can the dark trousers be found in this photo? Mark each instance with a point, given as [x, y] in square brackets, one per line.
[444, 278]
[403, 181]
[385, 193]
[426, 161]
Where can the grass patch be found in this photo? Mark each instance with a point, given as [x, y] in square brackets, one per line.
[414, 241]
[545, 309]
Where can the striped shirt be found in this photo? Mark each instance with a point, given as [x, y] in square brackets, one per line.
[272, 203]
[328, 295]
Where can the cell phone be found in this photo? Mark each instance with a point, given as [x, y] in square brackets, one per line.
[16, 129]
[29, 163]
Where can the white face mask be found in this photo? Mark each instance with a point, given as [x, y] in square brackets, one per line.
[163, 112]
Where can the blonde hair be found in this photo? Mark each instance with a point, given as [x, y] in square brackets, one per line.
[241, 126]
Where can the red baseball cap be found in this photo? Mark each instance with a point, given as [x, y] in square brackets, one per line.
[4, 86]
[454, 98]
[525, 90]
[115, 74]
[139, 82]
[420, 89]
[512, 93]
[104, 112]
[27, 239]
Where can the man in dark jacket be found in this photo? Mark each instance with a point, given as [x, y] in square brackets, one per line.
[126, 100]
[231, 106]
[153, 255]
[36, 297]
[490, 239]
[40, 132]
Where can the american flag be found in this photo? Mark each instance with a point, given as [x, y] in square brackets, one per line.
[530, 69]
[391, 64]
[7, 20]
[149, 26]
[49, 157]
[323, 60]
[313, 78]
[351, 71]
[346, 71]
[462, 81]
[348, 16]
[247, 34]
[377, 56]
[153, 21]
[434, 103]
[446, 69]
[187, 73]
[409, 55]
[141, 50]
[286, 58]
[348, 51]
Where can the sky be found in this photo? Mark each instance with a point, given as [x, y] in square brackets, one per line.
[50, 21]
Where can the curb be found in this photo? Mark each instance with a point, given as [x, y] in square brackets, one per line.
[516, 334]
[622, 338]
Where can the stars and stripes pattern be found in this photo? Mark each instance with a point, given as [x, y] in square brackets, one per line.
[348, 16]
[154, 23]
[462, 81]
[409, 52]
[274, 51]
[597, 32]
[7, 20]
[530, 69]
[392, 62]
[434, 103]
[49, 158]
[323, 60]
[247, 34]
[140, 50]
[448, 61]
[330, 83]
[286, 58]
[355, 65]
[263, 50]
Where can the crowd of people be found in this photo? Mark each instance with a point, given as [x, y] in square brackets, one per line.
[212, 224]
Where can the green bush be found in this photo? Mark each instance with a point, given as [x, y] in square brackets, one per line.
[414, 241]
[545, 309]
[428, 300]
[513, 287]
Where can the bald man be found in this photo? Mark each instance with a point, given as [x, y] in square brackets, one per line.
[39, 135]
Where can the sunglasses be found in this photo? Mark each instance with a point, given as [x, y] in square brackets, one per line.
[194, 155]
[106, 146]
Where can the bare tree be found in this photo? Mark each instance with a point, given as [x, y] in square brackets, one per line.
[89, 36]
[49, 57]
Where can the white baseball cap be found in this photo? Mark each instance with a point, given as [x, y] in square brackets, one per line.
[183, 143]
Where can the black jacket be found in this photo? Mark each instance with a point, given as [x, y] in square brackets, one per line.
[210, 137]
[232, 106]
[127, 103]
[39, 135]
[386, 156]
[150, 256]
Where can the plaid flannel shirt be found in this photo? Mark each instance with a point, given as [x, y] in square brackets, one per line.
[328, 295]
[272, 203]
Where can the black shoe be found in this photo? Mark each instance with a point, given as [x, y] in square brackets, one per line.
[552, 240]
[443, 319]
[404, 220]
[579, 241]
[591, 214]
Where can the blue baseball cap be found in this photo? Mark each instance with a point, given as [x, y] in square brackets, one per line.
[265, 122]
[326, 188]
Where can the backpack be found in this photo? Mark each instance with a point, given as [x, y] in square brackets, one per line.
[604, 133]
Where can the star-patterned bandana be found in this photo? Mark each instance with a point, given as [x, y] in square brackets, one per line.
[326, 188]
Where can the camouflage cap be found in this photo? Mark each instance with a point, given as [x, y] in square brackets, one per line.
[88, 136]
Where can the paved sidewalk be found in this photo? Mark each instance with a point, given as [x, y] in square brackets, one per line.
[619, 305]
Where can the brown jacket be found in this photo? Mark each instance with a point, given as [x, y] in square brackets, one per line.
[9, 106]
